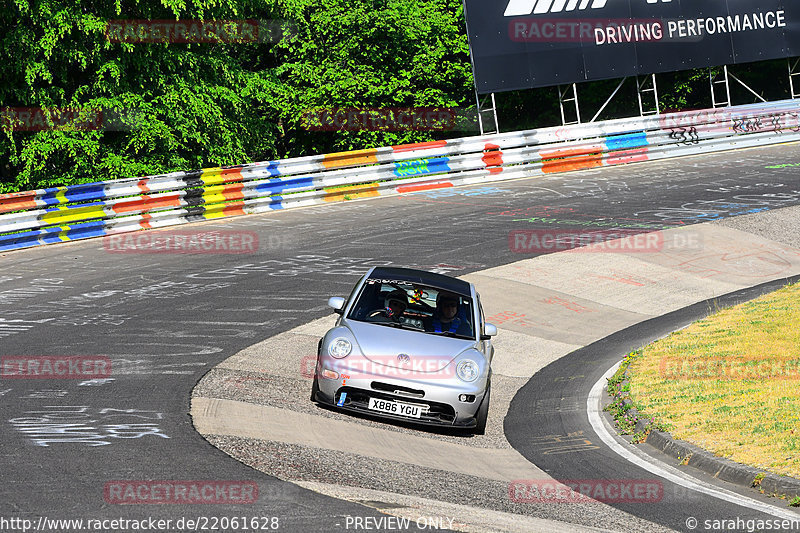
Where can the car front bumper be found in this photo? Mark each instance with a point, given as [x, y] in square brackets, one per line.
[440, 396]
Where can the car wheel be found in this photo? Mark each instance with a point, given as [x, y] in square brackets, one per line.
[314, 389]
[483, 411]
[315, 383]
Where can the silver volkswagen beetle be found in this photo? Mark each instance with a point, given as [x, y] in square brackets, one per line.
[409, 345]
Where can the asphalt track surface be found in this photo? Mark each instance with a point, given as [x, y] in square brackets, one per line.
[567, 382]
[166, 319]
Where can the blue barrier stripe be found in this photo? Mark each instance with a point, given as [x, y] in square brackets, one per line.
[50, 198]
[88, 230]
[74, 193]
[51, 235]
[626, 142]
[89, 191]
[419, 167]
[19, 240]
[53, 230]
[277, 185]
[18, 245]
[274, 168]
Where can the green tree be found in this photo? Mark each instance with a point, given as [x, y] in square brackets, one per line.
[370, 54]
[184, 105]
[191, 105]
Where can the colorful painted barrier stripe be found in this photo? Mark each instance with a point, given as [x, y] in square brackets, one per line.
[59, 214]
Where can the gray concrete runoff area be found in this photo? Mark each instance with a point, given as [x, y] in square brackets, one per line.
[255, 406]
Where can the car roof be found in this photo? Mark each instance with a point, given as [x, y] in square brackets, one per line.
[440, 281]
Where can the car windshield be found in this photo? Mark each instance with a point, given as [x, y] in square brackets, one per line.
[414, 306]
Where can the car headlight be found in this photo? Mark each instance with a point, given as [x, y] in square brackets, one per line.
[468, 370]
[340, 347]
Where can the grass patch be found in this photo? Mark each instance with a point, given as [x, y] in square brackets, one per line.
[729, 383]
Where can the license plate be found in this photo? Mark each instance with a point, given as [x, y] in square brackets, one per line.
[395, 408]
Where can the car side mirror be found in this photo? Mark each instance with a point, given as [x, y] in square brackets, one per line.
[489, 331]
[337, 304]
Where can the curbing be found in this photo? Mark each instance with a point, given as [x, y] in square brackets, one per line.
[719, 467]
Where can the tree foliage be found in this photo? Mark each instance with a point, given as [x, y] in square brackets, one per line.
[190, 105]
[370, 54]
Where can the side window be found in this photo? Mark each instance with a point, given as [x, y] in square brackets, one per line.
[353, 292]
[366, 301]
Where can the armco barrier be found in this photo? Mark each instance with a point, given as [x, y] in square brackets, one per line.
[61, 214]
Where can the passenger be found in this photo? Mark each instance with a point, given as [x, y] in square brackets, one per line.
[449, 316]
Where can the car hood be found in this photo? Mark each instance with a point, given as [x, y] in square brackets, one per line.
[382, 345]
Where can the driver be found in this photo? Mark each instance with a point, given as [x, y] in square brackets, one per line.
[449, 316]
[395, 304]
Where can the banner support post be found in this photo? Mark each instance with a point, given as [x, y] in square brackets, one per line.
[792, 73]
[562, 100]
[608, 100]
[712, 78]
[640, 89]
[492, 108]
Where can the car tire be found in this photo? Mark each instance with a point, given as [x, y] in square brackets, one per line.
[483, 411]
[314, 389]
[315, 383]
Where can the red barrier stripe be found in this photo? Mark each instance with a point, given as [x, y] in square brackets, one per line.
[493, 158]
[147, 203]
[424, 187]
[15, 201]
[233, 191]
[418, 146]
[234, 209]
[628, 156]
[571, 159]
[232, 174]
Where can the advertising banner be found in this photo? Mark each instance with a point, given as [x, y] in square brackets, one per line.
[522, 44]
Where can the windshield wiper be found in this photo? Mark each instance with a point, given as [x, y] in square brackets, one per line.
[451, 334]
[395, 325]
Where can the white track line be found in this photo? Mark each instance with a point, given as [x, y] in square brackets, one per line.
[663, 470]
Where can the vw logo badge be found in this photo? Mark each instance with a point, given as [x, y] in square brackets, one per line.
[403, 358]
